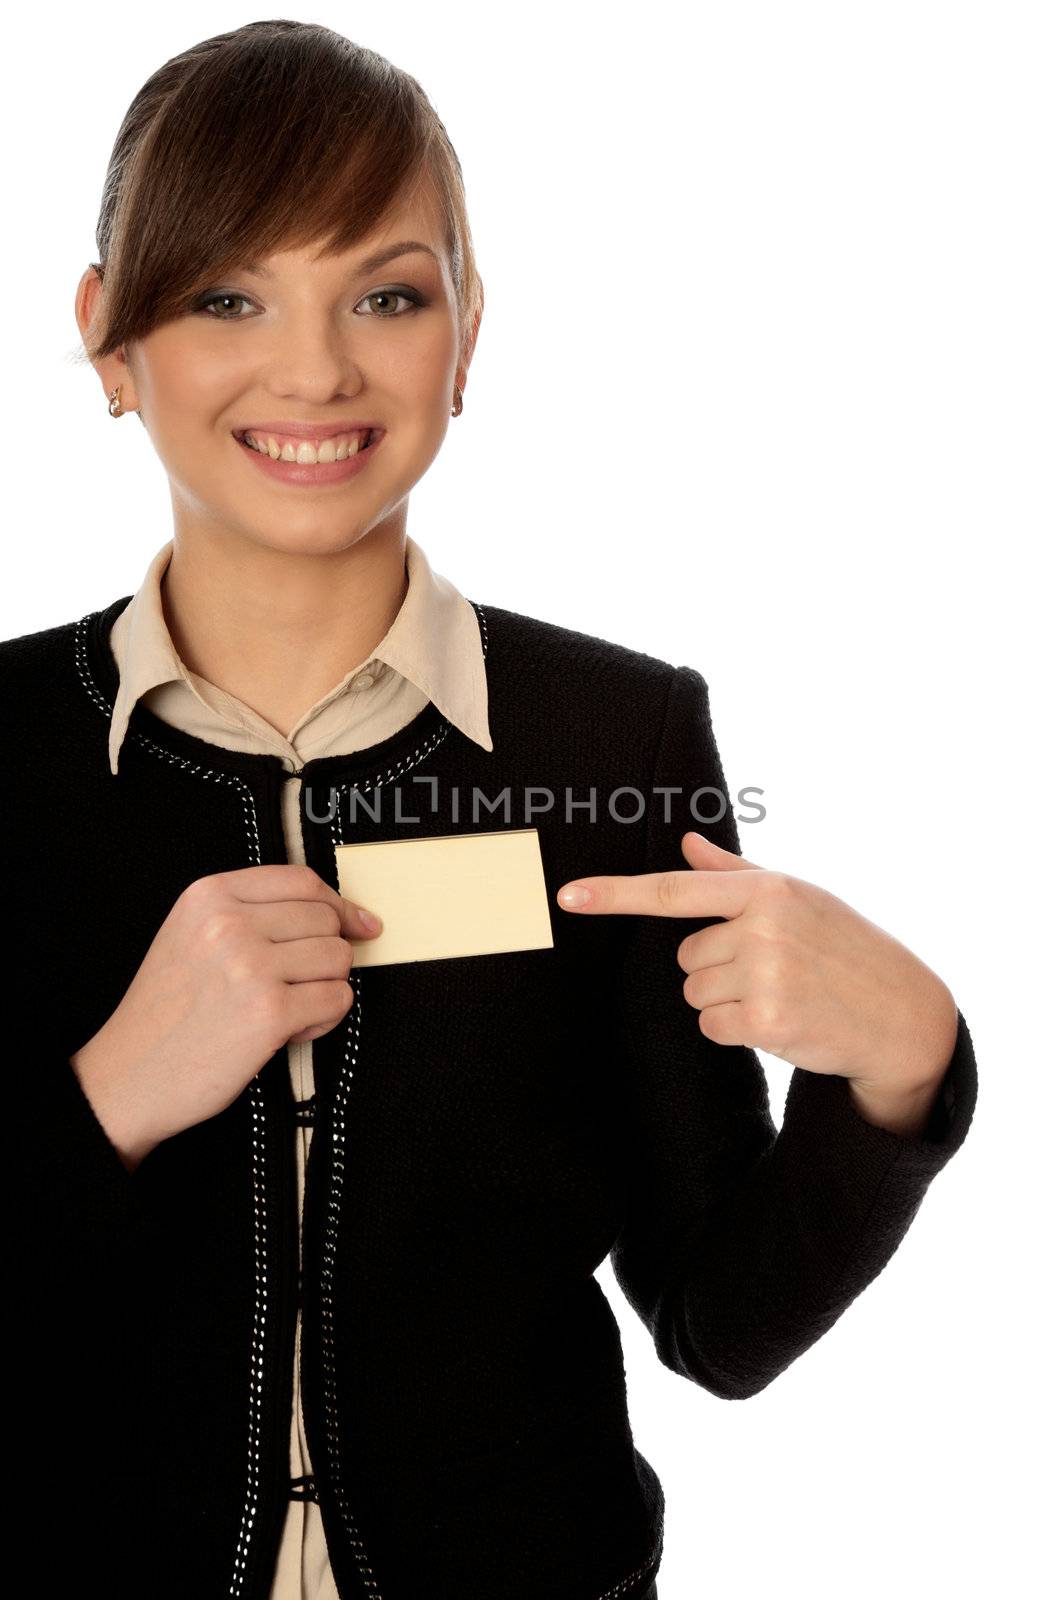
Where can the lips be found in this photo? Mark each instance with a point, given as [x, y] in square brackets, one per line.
[306, 473]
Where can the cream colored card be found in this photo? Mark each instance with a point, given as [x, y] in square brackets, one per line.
[462, 894]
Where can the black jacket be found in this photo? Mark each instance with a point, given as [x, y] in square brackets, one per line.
[490, 1129]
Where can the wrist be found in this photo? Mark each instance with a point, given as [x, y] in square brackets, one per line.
[111, 1106]
[904, 1111]
[914, 1061]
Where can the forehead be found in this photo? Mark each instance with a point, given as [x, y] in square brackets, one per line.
[412, 226]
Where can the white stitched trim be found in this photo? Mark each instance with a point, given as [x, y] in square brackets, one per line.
[258, 1138]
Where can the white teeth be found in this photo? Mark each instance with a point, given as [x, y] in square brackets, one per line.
[337, 448]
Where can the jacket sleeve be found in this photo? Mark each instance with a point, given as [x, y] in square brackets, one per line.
[743, 1244]
[81, 1211]
[81, 1334]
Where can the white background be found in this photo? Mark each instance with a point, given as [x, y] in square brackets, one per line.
[768, 383]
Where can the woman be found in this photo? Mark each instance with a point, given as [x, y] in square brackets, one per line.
[310, 1302]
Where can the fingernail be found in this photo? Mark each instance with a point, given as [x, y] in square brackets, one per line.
[574, 895]
[370, 923]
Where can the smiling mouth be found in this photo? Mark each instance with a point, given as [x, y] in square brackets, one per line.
[308, 452]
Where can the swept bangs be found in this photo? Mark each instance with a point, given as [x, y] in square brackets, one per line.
[274, 136]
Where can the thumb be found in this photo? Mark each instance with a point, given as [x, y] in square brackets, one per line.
[701, 854]
[358, 921]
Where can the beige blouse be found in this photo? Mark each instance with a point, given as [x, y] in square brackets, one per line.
[432, 651]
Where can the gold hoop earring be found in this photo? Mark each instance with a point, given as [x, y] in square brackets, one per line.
[459, 404]
[114, 405]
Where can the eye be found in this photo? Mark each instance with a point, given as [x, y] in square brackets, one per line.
[411, 295]
[213, 299]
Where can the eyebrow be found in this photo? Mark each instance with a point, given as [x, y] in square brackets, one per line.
[371, 263]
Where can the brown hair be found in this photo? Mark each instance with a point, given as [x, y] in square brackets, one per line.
[269, 137]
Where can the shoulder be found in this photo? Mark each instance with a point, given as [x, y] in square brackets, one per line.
[571, 698]
[27, 653]
[518, 644]
[35, 667]
[43, 683]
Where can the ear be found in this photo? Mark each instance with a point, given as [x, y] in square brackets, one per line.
[112, 369]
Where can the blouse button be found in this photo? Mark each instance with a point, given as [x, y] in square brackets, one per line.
[364, 680]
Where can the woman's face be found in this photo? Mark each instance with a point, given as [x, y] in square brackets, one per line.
[298, 340]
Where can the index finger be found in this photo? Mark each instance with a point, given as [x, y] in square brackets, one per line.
[679, 893]
[285, 881]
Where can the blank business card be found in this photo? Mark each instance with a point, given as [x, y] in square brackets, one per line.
[461, 894]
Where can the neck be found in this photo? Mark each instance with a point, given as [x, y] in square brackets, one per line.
[279, 630]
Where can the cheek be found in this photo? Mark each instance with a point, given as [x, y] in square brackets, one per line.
[424, 368]
[187, 376]
[184, 395]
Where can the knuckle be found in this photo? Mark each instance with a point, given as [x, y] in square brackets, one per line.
[201, 891]
[344, 997]
[220, 926]
[719, 1024]
[321, 918]
[241, 971]
[709, 1025]
[668, 888]
[693, 989]
[780, 889]
[764, 1018]
[763, 926]
[343, 958]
